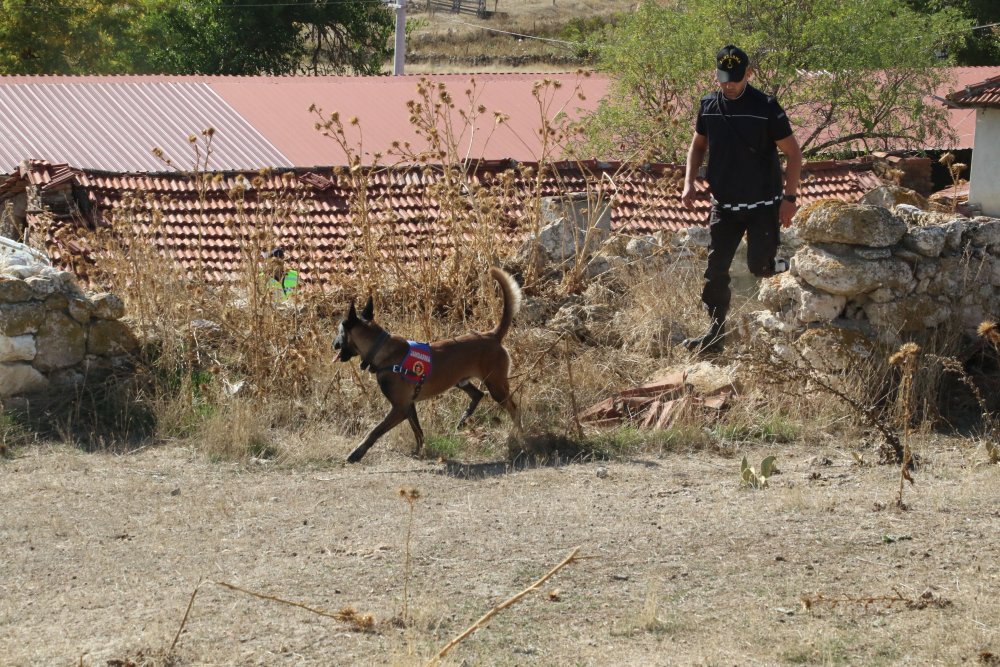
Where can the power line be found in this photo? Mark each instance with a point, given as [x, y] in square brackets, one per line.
[560, 42]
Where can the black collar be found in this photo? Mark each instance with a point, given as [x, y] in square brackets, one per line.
[369, 360]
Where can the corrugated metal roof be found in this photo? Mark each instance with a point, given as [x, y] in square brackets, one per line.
[983, 94]
[115, 123]
[200, 223]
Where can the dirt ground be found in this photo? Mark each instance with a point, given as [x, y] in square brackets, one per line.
[100, 555]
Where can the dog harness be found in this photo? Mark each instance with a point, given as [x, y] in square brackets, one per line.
[416, 365]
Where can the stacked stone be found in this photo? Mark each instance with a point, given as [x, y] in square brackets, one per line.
[885, 272]
[52, 335]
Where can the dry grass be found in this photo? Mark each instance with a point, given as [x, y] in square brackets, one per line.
[673, 556]
[443, 41]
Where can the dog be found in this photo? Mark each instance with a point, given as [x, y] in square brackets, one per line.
[402, 370]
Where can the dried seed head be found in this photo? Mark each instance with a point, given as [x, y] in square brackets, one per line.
[905, 353]
[409, 495]
[947, 159]
[989, 330]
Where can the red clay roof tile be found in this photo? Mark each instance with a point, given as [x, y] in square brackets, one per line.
[203, 228]
[983, 94]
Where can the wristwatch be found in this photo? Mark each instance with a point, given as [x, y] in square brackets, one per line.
[789, 198]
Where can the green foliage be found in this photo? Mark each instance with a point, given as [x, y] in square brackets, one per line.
[774, 428]
[585, 31]
[240, 37]
[855, 72]
[444, 446]
[981, 46]
[58, 37]
[246, 37]
[757, 479]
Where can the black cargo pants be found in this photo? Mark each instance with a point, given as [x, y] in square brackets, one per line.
[762, 228]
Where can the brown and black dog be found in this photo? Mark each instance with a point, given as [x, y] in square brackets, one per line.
[453, 363]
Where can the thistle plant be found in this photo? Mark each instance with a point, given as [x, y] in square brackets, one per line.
[955, 170]
[906, 358]
[410, 496]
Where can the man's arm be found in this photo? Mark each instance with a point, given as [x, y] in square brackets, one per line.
[793, 172]
[695, 156]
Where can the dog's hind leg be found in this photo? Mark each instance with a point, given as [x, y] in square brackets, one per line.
[394, 418]
[418, 433]
[499, 389]
[474, 397]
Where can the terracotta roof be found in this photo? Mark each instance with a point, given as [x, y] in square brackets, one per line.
[983, 94]
[963, 119]
[113, 122]
[199, 220]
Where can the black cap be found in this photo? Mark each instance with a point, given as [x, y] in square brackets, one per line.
[731, 64]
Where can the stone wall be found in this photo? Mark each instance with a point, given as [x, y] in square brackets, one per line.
[53, 336]
[884, 273]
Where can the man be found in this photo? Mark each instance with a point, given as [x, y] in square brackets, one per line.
[281, 284]
[742, 130]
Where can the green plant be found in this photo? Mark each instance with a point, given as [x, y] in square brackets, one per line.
[751, 478]
[770, 428]
[444, 446]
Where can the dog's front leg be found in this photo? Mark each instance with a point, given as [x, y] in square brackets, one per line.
[395, 416]
[418, 433]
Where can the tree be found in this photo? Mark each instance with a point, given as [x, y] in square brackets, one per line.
[852, 74]
[982, 45]
[242, 37]
[57, 37]
[245, 37]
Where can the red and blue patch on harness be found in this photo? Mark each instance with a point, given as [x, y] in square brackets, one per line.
[416, 365]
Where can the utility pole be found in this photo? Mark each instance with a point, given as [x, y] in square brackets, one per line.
[399, 53]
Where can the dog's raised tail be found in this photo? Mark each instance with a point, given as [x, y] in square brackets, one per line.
[511, 300]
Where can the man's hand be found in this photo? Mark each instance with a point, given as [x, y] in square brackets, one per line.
[687, 197]
[786, 212]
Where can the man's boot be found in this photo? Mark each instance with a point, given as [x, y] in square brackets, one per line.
[710, 342]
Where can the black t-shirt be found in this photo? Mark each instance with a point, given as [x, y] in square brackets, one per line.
[736, 173]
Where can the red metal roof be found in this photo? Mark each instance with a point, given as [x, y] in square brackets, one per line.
[380, 105]
[983, 94]
[203, 222]
[113, 122]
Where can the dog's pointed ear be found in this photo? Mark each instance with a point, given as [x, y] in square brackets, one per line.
[352, 314]
[368, 312]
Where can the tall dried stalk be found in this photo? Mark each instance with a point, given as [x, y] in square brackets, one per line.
[906, 358]
[410, 496]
